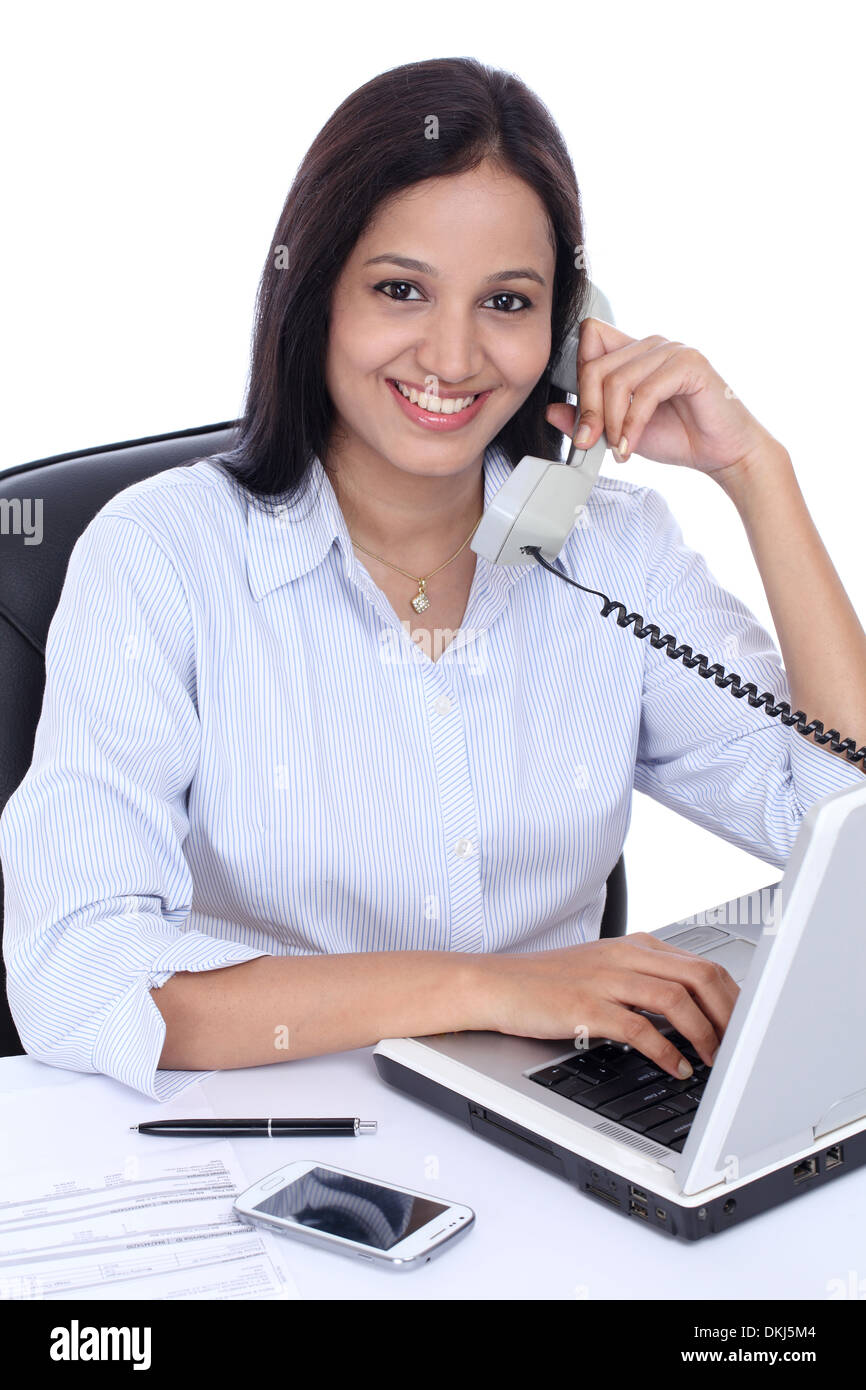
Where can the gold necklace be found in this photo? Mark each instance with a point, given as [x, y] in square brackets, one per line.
[421, 601]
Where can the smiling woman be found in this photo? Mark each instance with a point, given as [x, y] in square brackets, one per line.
[423, 372]
[282, 828]
[417, 292]
[498, 244]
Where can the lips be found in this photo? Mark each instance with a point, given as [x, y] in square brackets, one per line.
[432, 419]
[439, 404]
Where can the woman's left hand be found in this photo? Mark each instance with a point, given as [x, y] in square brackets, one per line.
[665, 398]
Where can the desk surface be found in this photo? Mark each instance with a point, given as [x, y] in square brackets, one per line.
[535, 1236]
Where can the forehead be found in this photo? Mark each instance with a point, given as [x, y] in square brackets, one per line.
[464, 220]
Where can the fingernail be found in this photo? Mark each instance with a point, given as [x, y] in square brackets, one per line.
[582, 436]
[684, 1069]
[622, 449]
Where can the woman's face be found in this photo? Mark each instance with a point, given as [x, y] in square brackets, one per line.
[452, 281]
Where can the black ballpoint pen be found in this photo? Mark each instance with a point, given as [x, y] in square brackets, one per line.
[268, 1129]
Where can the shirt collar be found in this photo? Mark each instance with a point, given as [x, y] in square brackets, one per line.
[291, 542]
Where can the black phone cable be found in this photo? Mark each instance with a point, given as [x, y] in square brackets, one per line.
[673, 649]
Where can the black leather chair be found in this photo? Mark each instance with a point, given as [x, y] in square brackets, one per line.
[73, 487]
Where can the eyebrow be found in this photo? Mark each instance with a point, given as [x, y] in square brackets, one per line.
[524, 273]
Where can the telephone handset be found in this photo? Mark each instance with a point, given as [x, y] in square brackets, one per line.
[541, 500]
[534, 512]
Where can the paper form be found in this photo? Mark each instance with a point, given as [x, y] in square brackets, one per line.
[155, 1226]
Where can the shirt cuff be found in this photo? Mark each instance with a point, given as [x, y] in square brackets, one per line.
[130, 1041]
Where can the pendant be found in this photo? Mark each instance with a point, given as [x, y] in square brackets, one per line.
[420, 601]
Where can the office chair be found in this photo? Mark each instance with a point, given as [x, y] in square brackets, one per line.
[73, 487]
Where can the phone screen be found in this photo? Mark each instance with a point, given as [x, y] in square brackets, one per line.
[351, 1207]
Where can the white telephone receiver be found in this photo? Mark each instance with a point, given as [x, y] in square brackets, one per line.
[541, 500]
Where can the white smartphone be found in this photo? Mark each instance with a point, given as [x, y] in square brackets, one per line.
[394, 1227]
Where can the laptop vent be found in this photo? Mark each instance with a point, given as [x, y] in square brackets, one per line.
[626, 1136]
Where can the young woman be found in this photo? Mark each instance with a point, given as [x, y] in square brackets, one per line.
[309, 772]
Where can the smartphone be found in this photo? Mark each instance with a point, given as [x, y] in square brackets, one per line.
[394, 1227]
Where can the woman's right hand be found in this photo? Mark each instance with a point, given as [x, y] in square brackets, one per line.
[594, 989]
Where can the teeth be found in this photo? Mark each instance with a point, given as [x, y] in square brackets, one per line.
[447, 406]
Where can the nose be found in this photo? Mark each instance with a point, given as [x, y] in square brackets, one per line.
[450, 349]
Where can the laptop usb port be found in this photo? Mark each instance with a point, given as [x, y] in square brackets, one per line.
[637, 1194]
[638, 1210]
[807, 1169]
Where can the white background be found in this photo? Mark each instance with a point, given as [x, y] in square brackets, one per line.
[718, 148]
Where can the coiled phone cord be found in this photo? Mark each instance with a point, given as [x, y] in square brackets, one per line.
[674, 650]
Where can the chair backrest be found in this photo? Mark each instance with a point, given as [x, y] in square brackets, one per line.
[72, 488]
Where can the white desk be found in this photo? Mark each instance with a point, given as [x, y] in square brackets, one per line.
[535, 1236]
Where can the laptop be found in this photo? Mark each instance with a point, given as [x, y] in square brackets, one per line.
[780, 1113]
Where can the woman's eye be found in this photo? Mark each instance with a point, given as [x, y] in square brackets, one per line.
[504, 302]
[398, 285]
[519, 301]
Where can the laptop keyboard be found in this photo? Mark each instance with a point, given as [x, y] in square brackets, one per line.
[623, 1085]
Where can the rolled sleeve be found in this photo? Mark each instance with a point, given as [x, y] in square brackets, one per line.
[719, 761]
[97, 887]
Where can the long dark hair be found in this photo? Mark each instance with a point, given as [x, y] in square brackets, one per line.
[375, 145]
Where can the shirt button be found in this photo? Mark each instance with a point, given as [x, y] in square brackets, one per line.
[462, 848]
[443, 705]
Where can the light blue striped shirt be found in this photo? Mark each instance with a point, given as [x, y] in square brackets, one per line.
[242, 752]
